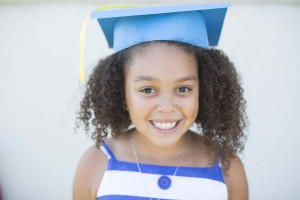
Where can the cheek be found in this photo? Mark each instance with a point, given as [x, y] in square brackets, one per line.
[191, 105]
[136, 103]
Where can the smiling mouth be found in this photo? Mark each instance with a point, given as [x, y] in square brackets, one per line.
[164, 125]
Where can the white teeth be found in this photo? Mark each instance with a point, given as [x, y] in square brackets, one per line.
[165, 126]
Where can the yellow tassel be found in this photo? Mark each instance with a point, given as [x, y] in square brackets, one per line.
[82, 37]
[81, 47]
[115, 7]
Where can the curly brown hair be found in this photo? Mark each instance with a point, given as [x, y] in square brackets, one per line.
[221, 116]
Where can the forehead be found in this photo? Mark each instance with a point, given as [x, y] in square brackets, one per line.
[162, 59]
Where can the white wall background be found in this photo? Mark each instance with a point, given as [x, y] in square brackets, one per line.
[40, 93]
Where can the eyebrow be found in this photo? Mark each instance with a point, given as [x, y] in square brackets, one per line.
[149, 78]
[144, 78]
[187, 78]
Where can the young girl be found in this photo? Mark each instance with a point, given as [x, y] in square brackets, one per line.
[162, 80]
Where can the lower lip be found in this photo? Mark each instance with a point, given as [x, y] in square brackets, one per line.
[167, 131]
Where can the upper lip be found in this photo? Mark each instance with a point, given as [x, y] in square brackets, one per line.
[165, 120]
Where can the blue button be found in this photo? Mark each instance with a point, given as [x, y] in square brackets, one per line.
[164, 182]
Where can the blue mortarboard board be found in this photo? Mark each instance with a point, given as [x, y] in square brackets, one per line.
[198, 25]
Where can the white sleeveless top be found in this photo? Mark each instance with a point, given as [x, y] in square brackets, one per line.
[123, 181]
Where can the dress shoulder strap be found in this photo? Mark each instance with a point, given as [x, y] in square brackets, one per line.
[218, 161]
[107, 150]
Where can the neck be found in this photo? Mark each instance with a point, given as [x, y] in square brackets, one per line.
[149, 152]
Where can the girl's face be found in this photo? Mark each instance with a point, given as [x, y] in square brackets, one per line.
[162, 92]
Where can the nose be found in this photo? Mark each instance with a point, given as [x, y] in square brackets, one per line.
[166, 103]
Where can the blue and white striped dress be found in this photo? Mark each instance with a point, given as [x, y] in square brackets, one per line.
[123, 181]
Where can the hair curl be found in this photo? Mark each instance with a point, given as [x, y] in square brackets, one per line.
[221, 115]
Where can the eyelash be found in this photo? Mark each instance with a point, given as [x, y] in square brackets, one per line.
[143, 90]
[146, 90]
[184, 87]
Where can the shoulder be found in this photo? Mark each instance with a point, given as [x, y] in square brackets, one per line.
[236, 180]
[89, 174]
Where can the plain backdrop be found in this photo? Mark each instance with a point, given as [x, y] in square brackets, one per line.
[40, 94]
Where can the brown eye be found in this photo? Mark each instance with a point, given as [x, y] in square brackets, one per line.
[147, 90]
[184, 89]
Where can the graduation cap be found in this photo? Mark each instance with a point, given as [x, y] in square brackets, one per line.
[199, 25]
[125, 26]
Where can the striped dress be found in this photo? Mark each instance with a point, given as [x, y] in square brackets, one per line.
[123, 181]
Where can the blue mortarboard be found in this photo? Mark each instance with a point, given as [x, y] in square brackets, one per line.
[198, 25]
